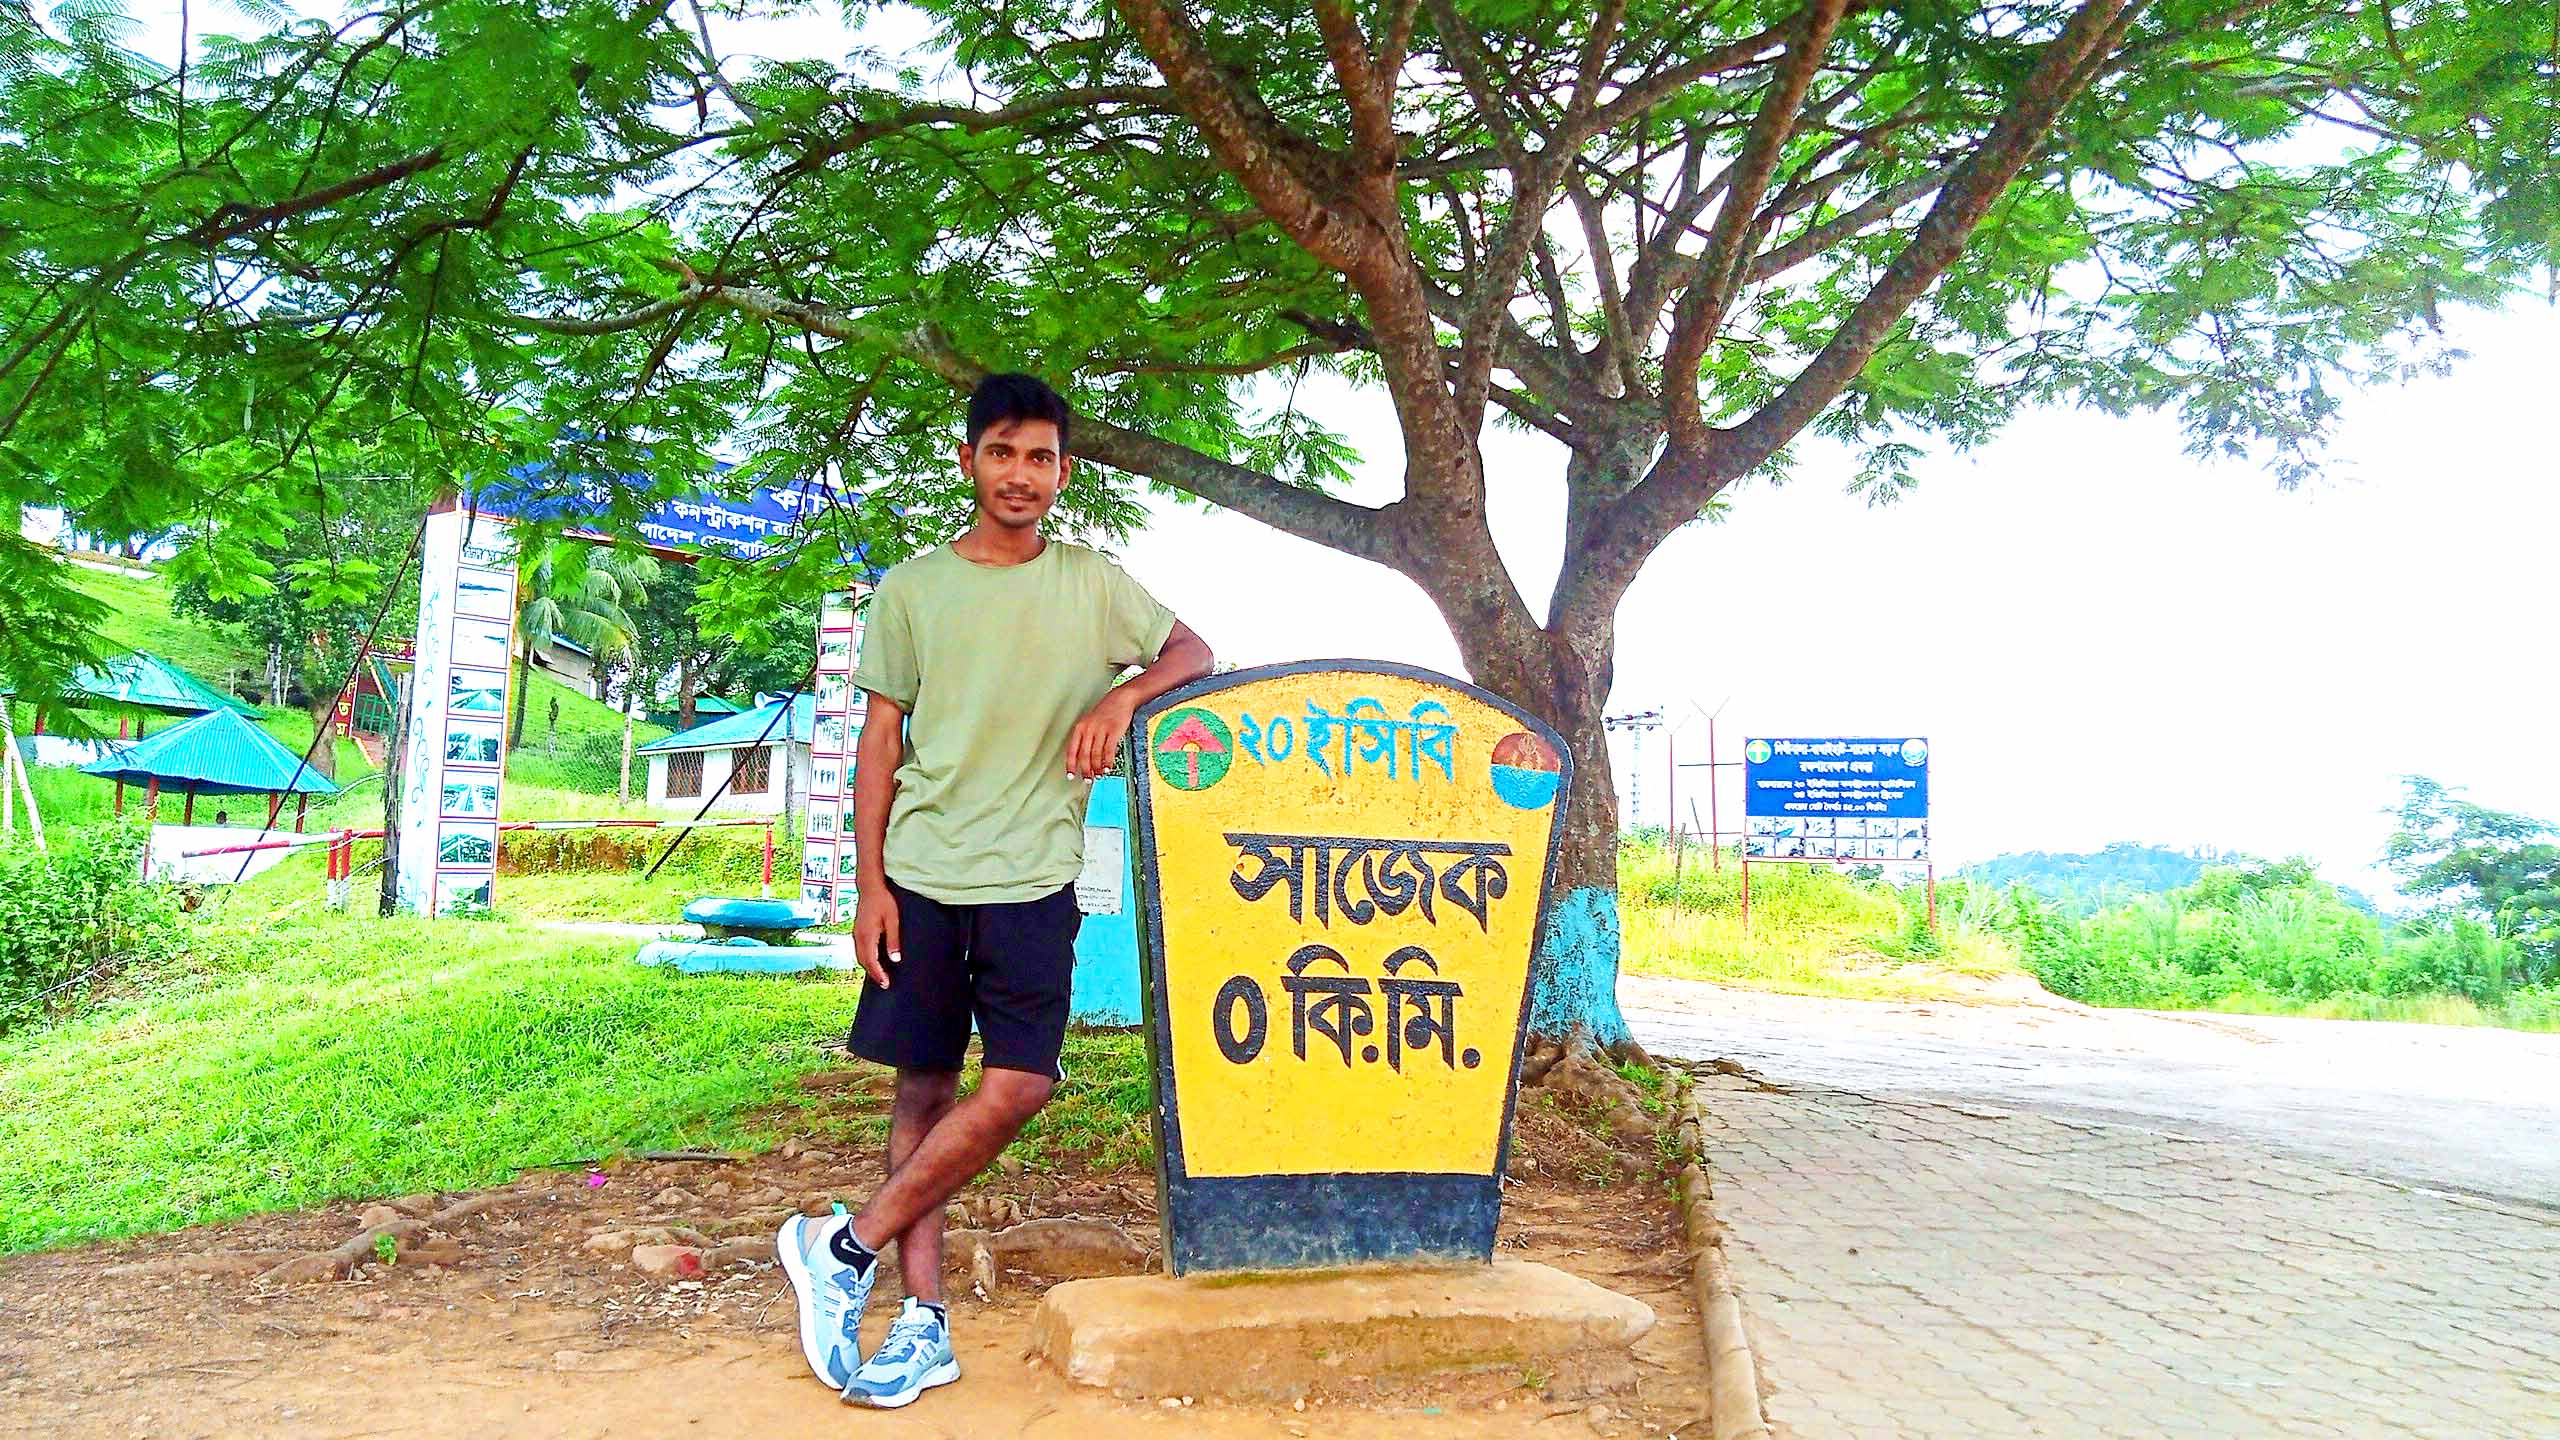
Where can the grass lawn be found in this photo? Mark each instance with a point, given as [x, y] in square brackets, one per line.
[290, 1062]
[1813, 931]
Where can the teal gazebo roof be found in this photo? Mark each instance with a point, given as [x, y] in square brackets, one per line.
[217, 753]
[145, 679]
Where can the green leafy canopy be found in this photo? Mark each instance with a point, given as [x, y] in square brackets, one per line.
[434, 238]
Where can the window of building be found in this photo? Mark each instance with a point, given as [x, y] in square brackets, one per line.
[684, 773]
[754, 771]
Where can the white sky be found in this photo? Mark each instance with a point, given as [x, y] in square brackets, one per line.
[2102, 638]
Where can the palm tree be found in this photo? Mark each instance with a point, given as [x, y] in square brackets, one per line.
[578, 592]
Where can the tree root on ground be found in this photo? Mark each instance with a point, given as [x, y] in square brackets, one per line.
[1574, 1068]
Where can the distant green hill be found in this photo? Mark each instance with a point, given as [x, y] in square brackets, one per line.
[2087, 882]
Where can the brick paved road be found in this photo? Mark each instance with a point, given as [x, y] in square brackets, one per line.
[1921, 1268]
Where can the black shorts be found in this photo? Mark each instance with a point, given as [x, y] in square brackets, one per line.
[1008, 967]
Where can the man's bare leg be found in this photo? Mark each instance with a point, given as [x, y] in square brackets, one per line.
[963, 1142]
[924, 1097]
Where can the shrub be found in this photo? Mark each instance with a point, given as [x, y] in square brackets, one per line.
[70, 918]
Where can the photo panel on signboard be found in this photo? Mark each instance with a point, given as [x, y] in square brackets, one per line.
[822, 817]
[484, 594]
[822, 896]
[1914, 844]
[483, 643]
[830, 738]
[490, 544]
[835, 654]
[469, 798]
[1819, 847]
[464, 891]
[819, 863]
[1762, 825]
[1759, 844]
[472, 745]
[846, 868]
[833, 692]
[467, 844]
[476, 692]
[826, 776]
[835, 611]
[1818, 826]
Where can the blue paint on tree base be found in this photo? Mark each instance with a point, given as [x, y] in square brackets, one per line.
[1574, 983]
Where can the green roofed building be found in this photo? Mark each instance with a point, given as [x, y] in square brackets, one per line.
[766, 773]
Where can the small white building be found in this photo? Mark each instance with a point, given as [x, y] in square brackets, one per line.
[767, 774]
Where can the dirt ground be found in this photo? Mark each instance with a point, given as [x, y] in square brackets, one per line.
[508, 1323]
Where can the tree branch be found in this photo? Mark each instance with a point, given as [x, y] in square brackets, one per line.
[1278, 168]
[234, 218]
[1309, 514]
[1702, 306]
[1373, 127]
[1688, 475]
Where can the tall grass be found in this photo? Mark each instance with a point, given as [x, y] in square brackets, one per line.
[2271, 938]
[1812, 929]
[2266, 939]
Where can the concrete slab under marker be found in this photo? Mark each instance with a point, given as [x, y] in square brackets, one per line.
[1279, 1335]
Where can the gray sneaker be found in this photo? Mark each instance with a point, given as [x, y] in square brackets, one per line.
[913, 1358]
[830, 1293]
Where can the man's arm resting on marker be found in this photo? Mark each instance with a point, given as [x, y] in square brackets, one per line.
[1093, 747]
[875, 783]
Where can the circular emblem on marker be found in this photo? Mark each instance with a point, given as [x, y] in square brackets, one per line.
[1915, 753]
[1192, 748]
[1757, 752]
[1525, 771]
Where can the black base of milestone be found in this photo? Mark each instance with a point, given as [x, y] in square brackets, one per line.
[1255, 1222]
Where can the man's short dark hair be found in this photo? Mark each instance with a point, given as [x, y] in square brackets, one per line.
[999, 398]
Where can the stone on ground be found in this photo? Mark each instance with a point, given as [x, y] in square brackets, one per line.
[1276, 1336]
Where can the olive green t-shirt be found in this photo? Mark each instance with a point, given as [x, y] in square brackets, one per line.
[994, 664]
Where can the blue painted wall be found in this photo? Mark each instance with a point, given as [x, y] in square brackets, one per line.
[1106, 988]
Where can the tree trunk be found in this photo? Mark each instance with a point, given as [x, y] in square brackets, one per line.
[685, 683]
[623, 795]
[1563, 679]
[323, 710]
[524, 682]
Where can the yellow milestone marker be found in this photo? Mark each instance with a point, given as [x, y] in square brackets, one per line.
[1345, 871]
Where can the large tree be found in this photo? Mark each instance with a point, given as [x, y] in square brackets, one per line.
[1676, 237]
[2500, 867]
[316, 591]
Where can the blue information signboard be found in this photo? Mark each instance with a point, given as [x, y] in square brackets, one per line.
[1842, 799]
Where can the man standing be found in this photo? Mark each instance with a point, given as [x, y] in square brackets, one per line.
[998, 653]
